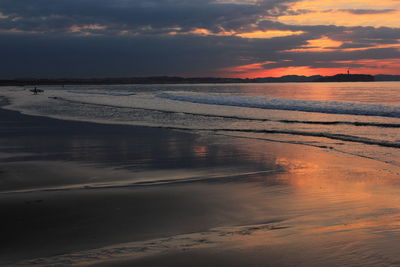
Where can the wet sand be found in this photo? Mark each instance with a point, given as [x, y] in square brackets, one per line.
[77, 193]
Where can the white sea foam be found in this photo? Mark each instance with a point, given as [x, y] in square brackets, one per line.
[367, 124]
[100, 93]
[331, 107]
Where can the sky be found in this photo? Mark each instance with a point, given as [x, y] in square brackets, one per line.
[197, 38]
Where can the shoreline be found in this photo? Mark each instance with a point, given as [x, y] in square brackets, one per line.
[38, 158]
[289, 198]
[199, 80]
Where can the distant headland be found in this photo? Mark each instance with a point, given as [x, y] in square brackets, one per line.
[183, 80]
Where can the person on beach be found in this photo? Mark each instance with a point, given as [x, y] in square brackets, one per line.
[35, 91]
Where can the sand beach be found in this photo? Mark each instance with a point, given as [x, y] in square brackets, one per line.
[90, 194]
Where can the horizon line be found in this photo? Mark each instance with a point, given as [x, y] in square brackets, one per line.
[186, 77]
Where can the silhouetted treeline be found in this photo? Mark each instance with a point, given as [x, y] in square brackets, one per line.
[347, 78]
[182, 80]
[387, 78]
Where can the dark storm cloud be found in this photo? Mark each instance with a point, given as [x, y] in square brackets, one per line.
[108, 38]
[60, 55]
[372, 35]
[82, 56]
[367, 11]
[61, 15]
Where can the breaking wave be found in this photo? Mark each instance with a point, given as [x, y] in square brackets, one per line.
[367, 130]
[330, 107]
[100, 93]
[290, 121]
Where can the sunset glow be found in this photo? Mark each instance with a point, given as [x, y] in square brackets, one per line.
[345, 13]
[229, 38]
[350, 14]
[229, 133]
[369, 66]
[318, 45]
[277, 72]
[268, 34]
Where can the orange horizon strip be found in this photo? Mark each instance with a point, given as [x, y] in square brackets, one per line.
[310, 71]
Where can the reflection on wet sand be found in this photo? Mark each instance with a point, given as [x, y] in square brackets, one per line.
[222, 200]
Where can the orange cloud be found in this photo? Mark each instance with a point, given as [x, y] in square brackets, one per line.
[247, 68]
[268, 34]
[325, 44]
[77, 28]
[371, 47]
[251, 35]
[200, 31]
[333, 12]
[345, 4]
[318, 45]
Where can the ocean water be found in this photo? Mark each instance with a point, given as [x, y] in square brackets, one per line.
[316, 202]
[361, 119]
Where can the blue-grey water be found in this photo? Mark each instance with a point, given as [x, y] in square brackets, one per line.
[356, 118]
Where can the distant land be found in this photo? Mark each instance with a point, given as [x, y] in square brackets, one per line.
[182, 80]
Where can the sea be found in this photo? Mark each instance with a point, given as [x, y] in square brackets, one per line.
[362, 118]
[328, 209]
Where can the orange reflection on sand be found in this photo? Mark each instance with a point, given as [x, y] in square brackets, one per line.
[297, 166]
[335, 197]
[381, 222]
[322, 178]
[200, 151]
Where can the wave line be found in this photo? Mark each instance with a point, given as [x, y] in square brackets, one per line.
[355, 123]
